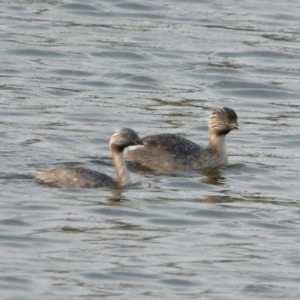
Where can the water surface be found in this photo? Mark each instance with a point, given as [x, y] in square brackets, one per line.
[72, 72]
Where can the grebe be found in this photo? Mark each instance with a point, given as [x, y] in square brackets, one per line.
[85, 178]
[172, 152]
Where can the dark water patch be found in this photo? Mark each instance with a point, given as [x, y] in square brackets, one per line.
[95, 84]
[272, 72]
[13, 288]
[31, 27]
[296, 212]
[219, 214]
[60, 92]
[20, 94]
[78, 6]
[283, 16]
[248, 170]
[95, 15]
[220, 198]
[168, 55]
[140, 87]
[186, 184]
[167, 221]
[180, 283]
[280, 37]
[16, 7]
[13, 222]
[68, 229]
[100, 115]
[259, 94]
[30, 142]
[260, 54]
[238, 84]
[16, 113]
[99, 276]
[267, 291]
[11, 176]
[276, 278]
[143, 79]
[14, 280]
[16, 245]
[229, 236]
[139, 15]
[130, 5]
[71, 73]
[120, 55]
[117, 212]
[211, 77]
[271, 226]
[219, 71]
[33, 241]
[10, 71]
[36, 53]
[119, 76]
[43, 207]
[129, 275]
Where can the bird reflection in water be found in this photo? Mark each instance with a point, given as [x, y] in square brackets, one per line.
[213, 176]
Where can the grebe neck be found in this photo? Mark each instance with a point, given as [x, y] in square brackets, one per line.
[217, 144]
[123, 175]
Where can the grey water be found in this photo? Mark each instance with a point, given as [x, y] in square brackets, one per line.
[74, 71]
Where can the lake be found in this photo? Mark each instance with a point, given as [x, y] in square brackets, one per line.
[74, 71]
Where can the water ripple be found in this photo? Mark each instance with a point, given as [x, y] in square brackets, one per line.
[72, 72]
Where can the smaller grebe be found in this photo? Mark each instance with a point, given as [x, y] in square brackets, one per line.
[172, 152]
[85, 178]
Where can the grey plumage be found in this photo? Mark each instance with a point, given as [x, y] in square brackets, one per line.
[76, 178]
[171, 152]
[85, 178]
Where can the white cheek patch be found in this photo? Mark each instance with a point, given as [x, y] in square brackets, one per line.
[130, 148]
[133, 148]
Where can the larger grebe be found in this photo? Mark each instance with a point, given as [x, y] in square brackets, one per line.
[85, 178]
[172, 152]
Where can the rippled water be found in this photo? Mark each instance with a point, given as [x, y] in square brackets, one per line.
[72, 72]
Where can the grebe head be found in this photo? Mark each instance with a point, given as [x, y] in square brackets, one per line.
[222, 121]
[124, 137]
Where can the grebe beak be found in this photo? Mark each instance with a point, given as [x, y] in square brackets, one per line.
[235, 126]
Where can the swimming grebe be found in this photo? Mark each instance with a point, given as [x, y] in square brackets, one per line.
[172, 152]
[85, 178]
